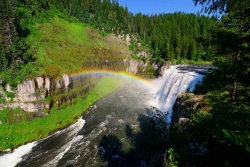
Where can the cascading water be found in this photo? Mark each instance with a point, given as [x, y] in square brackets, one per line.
[109, 135]
[175, 81]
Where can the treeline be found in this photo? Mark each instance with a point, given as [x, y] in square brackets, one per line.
[10, 42]
[168, 36]
[15, 16]
[221, 125]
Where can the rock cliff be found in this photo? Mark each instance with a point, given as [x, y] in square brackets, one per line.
[139, 66]
[185, 105]
[31, 93]
[161, 67]
[134, 66]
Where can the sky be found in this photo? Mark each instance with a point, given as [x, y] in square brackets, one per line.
[160, 6]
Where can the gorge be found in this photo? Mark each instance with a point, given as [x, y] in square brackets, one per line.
[111, 132]
[90, 83]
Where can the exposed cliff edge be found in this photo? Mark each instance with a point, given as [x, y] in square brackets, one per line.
[31, 93]
[140, 66]
[185, 105]
[134, 66]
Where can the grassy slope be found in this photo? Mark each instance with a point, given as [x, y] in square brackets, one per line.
[59, 46]
[12, 136]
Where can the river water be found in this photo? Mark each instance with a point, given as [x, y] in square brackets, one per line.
[106, 134]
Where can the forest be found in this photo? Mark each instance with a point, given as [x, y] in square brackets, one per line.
[167, 36]
[222, 125]
[174, 37]
[224, 128]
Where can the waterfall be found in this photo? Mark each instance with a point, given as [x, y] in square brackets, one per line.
[174, 82]
[80, 143]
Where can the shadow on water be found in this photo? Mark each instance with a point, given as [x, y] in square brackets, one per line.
[147, 143]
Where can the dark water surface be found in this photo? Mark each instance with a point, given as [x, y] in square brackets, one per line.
[109, 133]
[106, 139]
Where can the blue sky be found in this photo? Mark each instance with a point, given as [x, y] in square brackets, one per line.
[160, 6]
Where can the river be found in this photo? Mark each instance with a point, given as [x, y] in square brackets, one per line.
[106, 134]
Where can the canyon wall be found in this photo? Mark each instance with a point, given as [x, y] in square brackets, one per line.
[187, 104]
[31, 94]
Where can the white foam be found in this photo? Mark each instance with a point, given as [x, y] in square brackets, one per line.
[64, 149]
[173, 83]
[11, 159]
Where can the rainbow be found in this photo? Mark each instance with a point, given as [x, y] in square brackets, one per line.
[121, 74]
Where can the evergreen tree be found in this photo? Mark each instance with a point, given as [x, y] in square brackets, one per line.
[224, 129]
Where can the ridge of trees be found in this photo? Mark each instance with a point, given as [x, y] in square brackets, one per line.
[222, 128]
[14, 19]
[169, 36]
[166, 36]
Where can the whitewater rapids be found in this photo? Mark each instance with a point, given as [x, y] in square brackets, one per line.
[86, 143]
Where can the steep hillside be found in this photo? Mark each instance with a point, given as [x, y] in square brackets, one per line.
[39, 87]
[60, 46]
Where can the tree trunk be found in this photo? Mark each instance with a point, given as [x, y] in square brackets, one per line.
[234, 90]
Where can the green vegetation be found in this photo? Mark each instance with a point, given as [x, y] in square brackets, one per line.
[166, 36]
[186, 61]
[52, 36]
[48, 42]
[218, 132]
[12, 116]
[61, 46]
[13, 135]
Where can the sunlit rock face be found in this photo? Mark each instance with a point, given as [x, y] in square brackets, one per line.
[2, 93]
[31, 91]
[160, 68]
[35, 89]
[8, 89]
[127, 39]
[134, 66]
[27, 91]
[139, 66]
[64, 81]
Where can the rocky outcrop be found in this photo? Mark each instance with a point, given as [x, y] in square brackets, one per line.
[29, 91]
[127, 39]
[33, 90]
[161, 67]
[134, 66]
[8, 89]
[36, 89]
[139, 66]
[185, 105]
[2, 93]
[64, 81]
